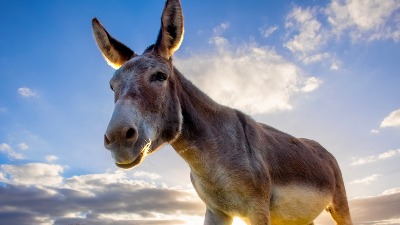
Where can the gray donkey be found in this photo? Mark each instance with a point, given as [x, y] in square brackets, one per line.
[239, 168]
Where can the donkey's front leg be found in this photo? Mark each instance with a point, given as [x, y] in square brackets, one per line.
[214, 217]
[260, 217]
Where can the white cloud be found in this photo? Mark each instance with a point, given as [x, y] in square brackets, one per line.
[365, 19]
[92, 182]
[373, 158]
[374, 131]
[392, 120]
[75, 200]
[23, 146]
[366, 180]
[311, 84]
[309, 35]
[252, 78]
[144, 174]
[5, 148]
[388, 154]
[51, 158]
[36, 174]
[391, 191]
[268, 31]
[335, 65]
[315, 58]
[220, 42]
[26, 92]
[220, 28]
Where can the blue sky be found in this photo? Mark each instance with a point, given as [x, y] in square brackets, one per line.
[324, 70]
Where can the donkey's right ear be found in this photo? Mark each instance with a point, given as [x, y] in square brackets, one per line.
[115, 53]
[172, 29]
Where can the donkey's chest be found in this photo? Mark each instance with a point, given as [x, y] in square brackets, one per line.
[221, 195]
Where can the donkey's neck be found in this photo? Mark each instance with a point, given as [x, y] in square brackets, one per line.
[204, 121]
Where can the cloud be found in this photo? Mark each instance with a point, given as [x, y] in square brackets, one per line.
[11, 153]
[379, 209]
[391, 191]
[392, 120]
[335, 64]
[374, 158]
[37, 193]
[33, 174]
[144, 174]
[366, 180]
[23, 146]
[251, 78]
[309, 33]
[218, 30]
[310, 30]
[365, 19]
[311, 84]
[308, 37]
[51, 158]
[374, 131]
[26, 92]
[266, 32]
[316, 58]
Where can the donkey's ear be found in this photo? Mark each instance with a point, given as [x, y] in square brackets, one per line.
[115, 53]
[171, 32]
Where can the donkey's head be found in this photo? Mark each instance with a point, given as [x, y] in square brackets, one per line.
[147, 111]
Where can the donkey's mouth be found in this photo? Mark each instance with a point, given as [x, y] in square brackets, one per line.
[131, 164]
[145, 150]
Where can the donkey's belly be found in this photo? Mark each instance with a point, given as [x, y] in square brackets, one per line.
[297, 205]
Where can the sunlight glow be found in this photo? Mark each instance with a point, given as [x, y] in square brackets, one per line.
[146, 149]
[238, 221]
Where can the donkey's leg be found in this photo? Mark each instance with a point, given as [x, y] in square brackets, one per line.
[260, 217]
[339, 208]
[339, 211]
[217, 218]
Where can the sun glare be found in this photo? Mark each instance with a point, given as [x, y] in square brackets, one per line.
[238, 221]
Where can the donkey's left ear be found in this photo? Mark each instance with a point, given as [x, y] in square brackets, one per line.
[115, 53]
[172, 29]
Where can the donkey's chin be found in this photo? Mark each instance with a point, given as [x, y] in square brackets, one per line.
[127, 164]
[130, 164]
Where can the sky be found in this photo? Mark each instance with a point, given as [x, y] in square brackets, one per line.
[326, 70]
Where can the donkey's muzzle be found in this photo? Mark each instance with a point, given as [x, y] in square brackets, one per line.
[124, 136]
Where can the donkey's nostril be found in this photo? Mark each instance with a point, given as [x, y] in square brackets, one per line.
[106, 140]
[130, 133]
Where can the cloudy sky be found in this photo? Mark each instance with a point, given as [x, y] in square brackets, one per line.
[327, 70]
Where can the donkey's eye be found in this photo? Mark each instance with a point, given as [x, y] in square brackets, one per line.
[111, 87]
[158, 77]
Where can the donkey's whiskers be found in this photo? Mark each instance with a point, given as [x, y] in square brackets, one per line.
[146, 149]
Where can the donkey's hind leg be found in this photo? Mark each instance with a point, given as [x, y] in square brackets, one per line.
[339, 208]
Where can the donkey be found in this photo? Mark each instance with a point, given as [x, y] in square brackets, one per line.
[239, 168]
